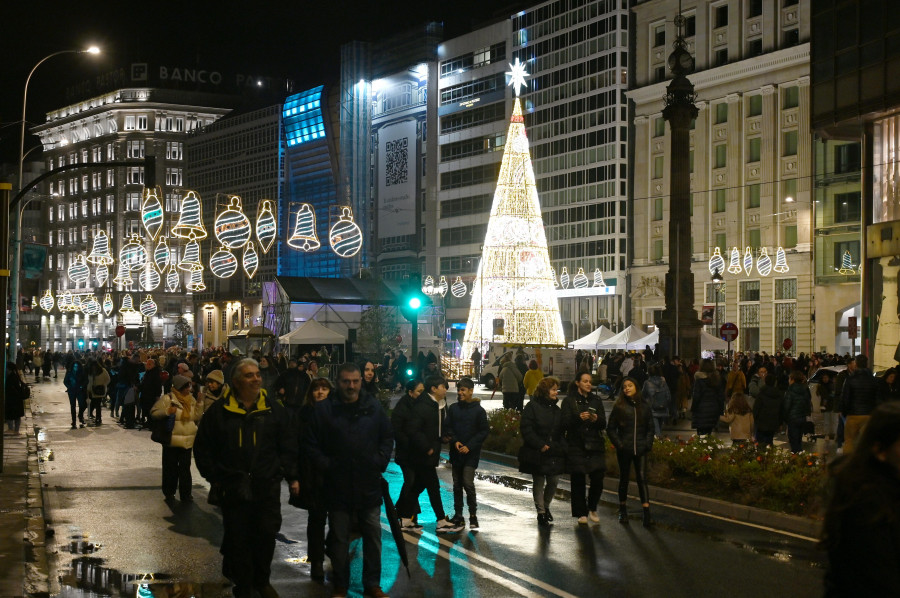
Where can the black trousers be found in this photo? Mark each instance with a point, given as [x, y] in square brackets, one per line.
[248, 540]
[315, 534]
[176, 471]
[582, 503]
[425, 479]
[626, 461]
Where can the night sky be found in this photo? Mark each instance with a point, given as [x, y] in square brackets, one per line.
[298, 40]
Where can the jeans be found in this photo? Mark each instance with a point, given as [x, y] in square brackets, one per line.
[82, 405]
[626, 461]
[339, 546]
[176, 471]
[248, 539]
[118, 399]
[543, 490]
[581, 504]
[464, 479]
[795, 434]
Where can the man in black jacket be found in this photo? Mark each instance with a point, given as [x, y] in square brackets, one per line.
[859, 397]
[467, 427]
[245, 446]
[350, 441]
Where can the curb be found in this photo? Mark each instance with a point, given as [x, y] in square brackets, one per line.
[37, 570]
[808, 528]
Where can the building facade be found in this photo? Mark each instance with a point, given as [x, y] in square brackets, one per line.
[751, 168]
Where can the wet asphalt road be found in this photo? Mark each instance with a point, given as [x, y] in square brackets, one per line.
[115, 536]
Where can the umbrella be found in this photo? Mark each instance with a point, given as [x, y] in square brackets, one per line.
[394, 520]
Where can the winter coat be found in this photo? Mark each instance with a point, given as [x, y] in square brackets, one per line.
[630, 427]
[709, 402]
[232, 442]
[466, 423]
[797, 403]
[531, 379]
[185, 430]
[351, 445]
[510, 377]
[151, 386]
[101, 379]
[656, 392]
[735, 383]
[586, 446]
[16, 393]
[767, 409]
[269, 376]
[207, 398]
[755, 386]
[75, 381]
[887, 392]
[425, 429]
[740, 427]
[541, 425]
[860, 393]
[399, 419]
[294, 383]
[312, 482]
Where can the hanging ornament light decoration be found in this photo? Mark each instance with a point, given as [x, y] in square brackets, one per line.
[458, 288]
[190, 261]
[65, 301]
[764, 262]
[266, 225]
[191, 219]
[781, 265]
[195, 282]
[345, 236]
[108, 304]
[734, 267]
[846, 265]
[152, 212]
[564, 278]
[748, 260]
[78, 270]
[250, 260]
[100, 251]
[102, 275]
[133, 254]
[442, 286]
[304, 237]
[716, 262]
[127, 304]
[162, 253]
[428, 285]
[47, 302]
[90, 306]
[172, 278]
[581, 280]
[148, 307]
[123, 277]
[222, 263]
[232, 225]
[149, 277]
[598, 279]
[555, 281]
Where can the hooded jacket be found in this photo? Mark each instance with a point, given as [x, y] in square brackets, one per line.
[466, 423]
[425, 430]
[586, 444]
[767, 409]
[709, 402]
[630, 427]
[185, 430]
[541, 424]
[797, 402]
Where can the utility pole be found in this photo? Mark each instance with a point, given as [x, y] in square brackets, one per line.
[5, 192]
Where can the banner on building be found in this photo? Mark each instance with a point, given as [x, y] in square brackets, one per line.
[34, 259]
[397, 158]
[708, 314]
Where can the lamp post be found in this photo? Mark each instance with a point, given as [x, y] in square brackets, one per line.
[17, 227]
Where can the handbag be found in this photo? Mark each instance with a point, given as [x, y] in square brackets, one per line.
[161, 430]
[216, 494]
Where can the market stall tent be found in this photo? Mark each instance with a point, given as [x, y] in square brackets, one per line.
[593, 340]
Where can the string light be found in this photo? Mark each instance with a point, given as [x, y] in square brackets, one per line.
[102, 275]
[764, 262]
[564, 278]
[148, 307]
[847, 268]
[442, 286]
[78, 270]
[191, 220]
[151, 212]
[781, 265]
[123, 277]
[345, 236]
[748, 260]
[190, 261]
[266, 225]
[250, 260]
[47, 302]
[127, 304]
[458, 289]
[222, 263]
[555, 281]
[735, 266]
[172, 278]
[65, 301]
[304, 237]
[716, 262]
[598, 279]
[581, 280]
[149, 277]
[195, 282]
[428, 285]
[232, 225]
[162, 253]
[90, 306]
[133, 254]
[100, 253]
[108, 304]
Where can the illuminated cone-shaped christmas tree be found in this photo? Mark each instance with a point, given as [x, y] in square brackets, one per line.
[514, 281]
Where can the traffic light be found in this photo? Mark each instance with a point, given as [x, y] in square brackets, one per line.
[80, 343]
[413, 299]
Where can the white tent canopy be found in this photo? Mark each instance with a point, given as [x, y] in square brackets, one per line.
[707, 342]
[593, 340]
[312, 333]
[629, 338]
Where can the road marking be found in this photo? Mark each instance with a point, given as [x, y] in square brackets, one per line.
[415, 540]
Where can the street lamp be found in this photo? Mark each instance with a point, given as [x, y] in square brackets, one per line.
[17, 227]
[717, 281]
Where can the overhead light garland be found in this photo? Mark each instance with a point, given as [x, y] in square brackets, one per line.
[598, 279]
[748, 261]
[266, 225]
[428, 285]
[735, 266]
[100, 253]
[764, 262]
[190, 261]
[716, 262]
[108, 304]
[148, 307]
[65, 301]
[123, 278]
[564, 278]
[222, 263]
[161, 253]
[250, 260]
[304, 237]
[90, 306]
[191, 220]
[78, 270]
[345, 236]
[127, 304]
[781, 265]
[172, 278]
[232, 226]
[195, 282]
[133, 254]
[101, 273]
[581, 280]
[458, 289]
[47, 302]
[149, 277]
[152, 212]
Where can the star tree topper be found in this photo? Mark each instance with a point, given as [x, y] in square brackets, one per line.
[517, 75]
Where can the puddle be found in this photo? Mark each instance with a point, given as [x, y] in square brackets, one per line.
[88, 577]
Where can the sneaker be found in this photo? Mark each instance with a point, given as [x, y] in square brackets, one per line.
[446, 526]
[473, 522]
[593, 516]
[408, 525]
[375, 593]
[549, 515]
[459, 520]
[582, 520]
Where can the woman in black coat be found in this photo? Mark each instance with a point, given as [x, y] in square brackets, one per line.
[407, 503]
[543, 452]
[862, 523]
[16, 393]
[708, 398]
[583, 420]
[630, 430]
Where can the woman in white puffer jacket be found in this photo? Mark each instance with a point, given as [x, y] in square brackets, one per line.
[176, 455]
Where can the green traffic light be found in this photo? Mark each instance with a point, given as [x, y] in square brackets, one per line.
[415, 302]
[409, 372]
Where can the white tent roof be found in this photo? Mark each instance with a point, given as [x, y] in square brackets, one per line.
[628, 338]
[651, 339]
[709, 342]
[592, 340]
[311, 332]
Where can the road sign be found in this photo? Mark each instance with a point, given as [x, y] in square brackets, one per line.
[787, 344]
[851, 327]
[728, 332]
[120, 330]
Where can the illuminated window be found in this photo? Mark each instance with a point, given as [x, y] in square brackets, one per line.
[302, 114]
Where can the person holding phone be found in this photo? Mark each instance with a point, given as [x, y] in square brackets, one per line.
[583, 421]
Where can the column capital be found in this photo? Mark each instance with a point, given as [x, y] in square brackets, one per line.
[803, 81]
[733, 97]
[639, 120]
[767, 90]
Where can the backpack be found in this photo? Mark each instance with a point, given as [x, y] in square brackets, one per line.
[662, 398]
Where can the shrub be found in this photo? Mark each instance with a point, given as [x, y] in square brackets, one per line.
[504, 434]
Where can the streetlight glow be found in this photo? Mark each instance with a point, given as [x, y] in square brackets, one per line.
[93, 50]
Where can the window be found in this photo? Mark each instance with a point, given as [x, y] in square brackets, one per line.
[749, 290]
[173, 177]
[847, 207]
[110, 151]
[657, 249]
[720, 242]
[753, 149]
[135, 175]
[846, 158]
[690, 26]
[129, 123]
[785, 288]
[209, 320]
[791, 37]
[110, 204]
[790, 97]
[141, 123]
[721, 113]
[720, 200]
[720, 16]
[753, 197]
[790, 143]
[134, 148]
[110, 178]
[721, 57]
[721, 155]
[842, 247]
[754, 8]
[749, 323]
[785, 322]
[657, 208]
[659, 127]
[754, 237]
[755, 106]
[659, 35]
[133, 201]
[790, 236]
[754, 48]
[174, 150]
[84, 208]
[659, 74]
[658, 162]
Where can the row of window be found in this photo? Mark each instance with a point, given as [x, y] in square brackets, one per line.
[563, 14]
[466, 206]
[575, 143]
[581, 177]
[473, 60]
[472, 147]
[606, 209]
[473, 117]
[462, 235]
[582, 70]
[566, 38]
[546, 62]
[472, 89]
[464, 177]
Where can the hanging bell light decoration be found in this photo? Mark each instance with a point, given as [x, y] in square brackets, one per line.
[100, 251]
[598, 279]
[232, 225]
[781, 265]
[716, 262]
[847, 268]
[133, 254]
[149, 277]
[47, 302]
[90, 306]
[734, 267]
[78, 270]
[152, 212]
[458, 289]
[266, 225]
[172, 278]
[190, 261]
[162, 253]
[748, 260]
[564, 278]
[123, 278]
[101, 273]
[65, 301]
[345, 236]
[304, 237]
[250, 261]
[195, 282]
[127, 304]
[581, 280]
[191, 219]
[108, 304]
[148, 307]
[222, 263]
